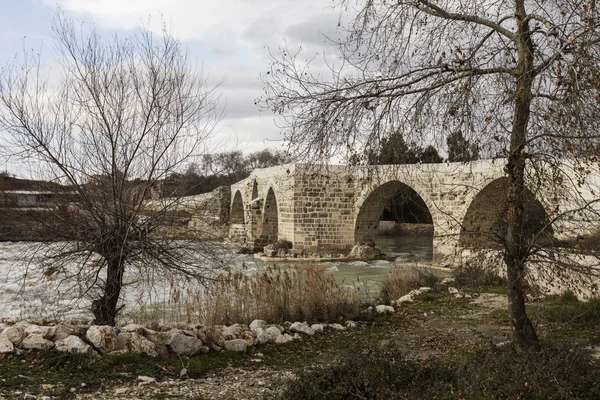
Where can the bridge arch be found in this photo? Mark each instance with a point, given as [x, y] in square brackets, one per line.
[270, 220]
[237, 209]
[485, 217]
[372, 205]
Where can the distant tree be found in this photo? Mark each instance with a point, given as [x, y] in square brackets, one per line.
[430, 155]
[461, 149]
[266, 158]
[126, 114]
[394, 150]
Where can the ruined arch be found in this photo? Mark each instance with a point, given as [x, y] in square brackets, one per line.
[237, 209]
[270, 221]
[376, 205]
[484, 222]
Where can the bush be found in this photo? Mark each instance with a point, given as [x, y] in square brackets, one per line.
[481, 373]
[566, 308]
[472, 276]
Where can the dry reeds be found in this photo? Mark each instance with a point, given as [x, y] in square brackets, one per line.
[400, 281]
[299, 293]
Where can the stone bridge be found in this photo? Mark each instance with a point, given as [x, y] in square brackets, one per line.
[323, 208]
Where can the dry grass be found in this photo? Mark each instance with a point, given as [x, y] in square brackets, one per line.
[301, 293]
[402, 280]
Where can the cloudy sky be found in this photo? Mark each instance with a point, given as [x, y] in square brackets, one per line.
[230, 38]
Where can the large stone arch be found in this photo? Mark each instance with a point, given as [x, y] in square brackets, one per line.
[237, 209]
[485, 217]
[370, 207]
[270, 220]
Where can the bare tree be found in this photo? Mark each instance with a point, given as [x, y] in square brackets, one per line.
[520, 78]
[124, 114]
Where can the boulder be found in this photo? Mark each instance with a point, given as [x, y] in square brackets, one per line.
[248, 337]
[452, 290]
[236, 345]
[102, 337]
[233, 331]
[258, 323]
[282, 339]
[137, 343]
[447, 281]
[336, 327]
[74, 344]
[302, 327]
[64, 330]
[6, 345]
[317, 327]
[380, 309]
[122, 342]
[37, 342]
[14, 334]
[365, 252]
[183, 345]
[133, 328]
[47, 332]
[407, 298]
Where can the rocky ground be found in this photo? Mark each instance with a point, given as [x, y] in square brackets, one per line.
[440, 322]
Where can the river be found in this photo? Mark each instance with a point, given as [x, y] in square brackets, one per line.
[37, 296]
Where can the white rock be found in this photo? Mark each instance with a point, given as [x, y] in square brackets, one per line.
[129, 328]
[47, 332]
[232, 332]
[336, 327]
[407, 298]
[380, 309]
[15, 334]
[37, 342]
[145, 380]
[137, 343]
[281, 339]
[452, 290]
[297, 336]
[64, 330]
[351, 324]
[318, 327]
[447, 281]
[184, 345]
[74, 344]
[302, 327]
[6, 345]
[268, 335]
[258, 323]
[236, 345]
[102, 337]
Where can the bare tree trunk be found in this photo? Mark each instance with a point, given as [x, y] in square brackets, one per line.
[517, 251]
[105, 308]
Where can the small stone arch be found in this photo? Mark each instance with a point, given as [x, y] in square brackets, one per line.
[270, 221]
[373, 206]
[485, 219]
[237, 209]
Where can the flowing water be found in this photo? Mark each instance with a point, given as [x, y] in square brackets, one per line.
[407, 250]
[38, 296]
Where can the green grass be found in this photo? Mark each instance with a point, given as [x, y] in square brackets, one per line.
[33, 369]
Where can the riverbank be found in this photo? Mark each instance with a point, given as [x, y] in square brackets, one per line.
[439, 326]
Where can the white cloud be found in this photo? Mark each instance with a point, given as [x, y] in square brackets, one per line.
[233, 36]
